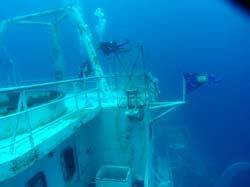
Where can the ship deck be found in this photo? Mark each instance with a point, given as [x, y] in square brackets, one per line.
[27, 147]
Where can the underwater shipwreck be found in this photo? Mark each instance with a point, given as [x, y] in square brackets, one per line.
[96, 129]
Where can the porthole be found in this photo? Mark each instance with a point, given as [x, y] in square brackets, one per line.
[68, 163]
[38, 180]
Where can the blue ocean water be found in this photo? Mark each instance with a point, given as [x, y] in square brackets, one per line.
[178, 36]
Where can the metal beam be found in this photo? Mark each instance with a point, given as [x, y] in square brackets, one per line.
[39, 14]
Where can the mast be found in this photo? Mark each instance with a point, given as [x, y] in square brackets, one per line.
[85, 37]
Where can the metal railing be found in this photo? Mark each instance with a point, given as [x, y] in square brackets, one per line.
[73, 91]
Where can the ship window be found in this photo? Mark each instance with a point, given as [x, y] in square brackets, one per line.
[68, 163]
[38, 180]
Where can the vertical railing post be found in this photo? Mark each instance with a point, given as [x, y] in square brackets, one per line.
[22, 106]
[76, 102]
[25, 108]
[84, 83]
[19, 108]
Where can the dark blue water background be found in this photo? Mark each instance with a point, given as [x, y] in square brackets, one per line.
[200, 36]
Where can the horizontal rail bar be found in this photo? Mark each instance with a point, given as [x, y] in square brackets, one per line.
[39, 14]
[39, 85]
[37, 23]
[28, 87]
[165, 104]
[46, 104]
[37, 131]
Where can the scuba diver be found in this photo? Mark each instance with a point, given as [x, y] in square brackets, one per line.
[195, 80]
[112, 47]
[85, 69]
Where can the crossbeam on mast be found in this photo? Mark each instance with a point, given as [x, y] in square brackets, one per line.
[50, 12]
[84, 31]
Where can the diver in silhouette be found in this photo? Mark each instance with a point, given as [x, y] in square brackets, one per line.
[112, 47]
[195, 80]
[85, 69]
